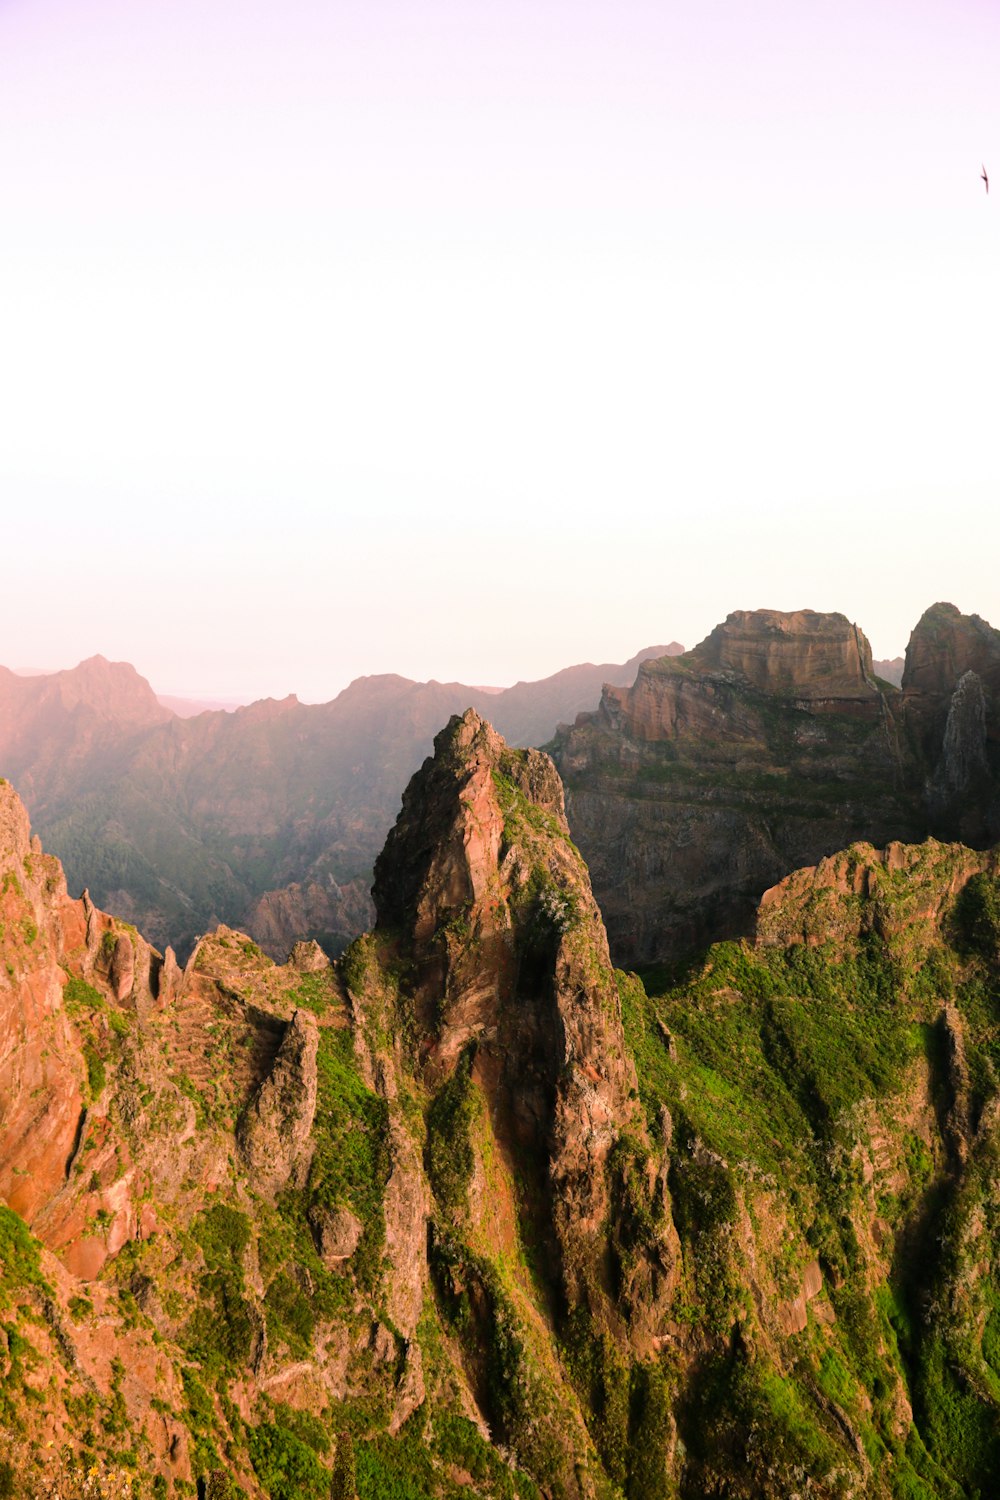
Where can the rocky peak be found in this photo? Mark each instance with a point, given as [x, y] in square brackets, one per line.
[951, 696]
[15, 829]
[490, 908]
[946, 644]
[444, 850]
[111, 690]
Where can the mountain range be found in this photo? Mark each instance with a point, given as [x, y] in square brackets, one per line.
[269, 817]
[467, 1213]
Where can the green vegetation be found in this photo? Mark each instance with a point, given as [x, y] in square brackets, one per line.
[449, 1156]
[221, 1331]
[515, 1394]
[779, 1070]
[351, 1163]
[19, 1258]
[102, 1027]
[287, 1468]
[977, 917]
[523, 818]
[316, 992]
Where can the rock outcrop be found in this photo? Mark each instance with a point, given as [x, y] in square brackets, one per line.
[719, 771]
[308, 912]
[274, 1131]
[951, 687]
[772, 744]
[481, 891]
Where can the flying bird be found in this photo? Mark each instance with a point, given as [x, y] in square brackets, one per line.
[985, 179]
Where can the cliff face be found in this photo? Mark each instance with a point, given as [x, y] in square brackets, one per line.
[717, 772]
[262, 1219]
[768, 746]
[835, 1175]
[468, 1213]
[951, 686]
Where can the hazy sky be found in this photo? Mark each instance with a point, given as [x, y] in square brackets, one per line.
[472, 339]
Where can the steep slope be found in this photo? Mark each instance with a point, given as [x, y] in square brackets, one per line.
[277, 1227]
[467, 1214]
[270, 817]
[835, 1094]
[717, 772]
[769, 745]
[951, 688]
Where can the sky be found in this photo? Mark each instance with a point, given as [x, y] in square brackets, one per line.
[469, 340]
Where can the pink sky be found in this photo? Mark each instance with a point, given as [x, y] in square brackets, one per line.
[471, 340]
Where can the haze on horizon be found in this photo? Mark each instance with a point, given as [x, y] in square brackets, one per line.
[471, 341]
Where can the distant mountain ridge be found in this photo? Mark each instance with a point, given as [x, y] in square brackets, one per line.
[189, 708]
[269, 816]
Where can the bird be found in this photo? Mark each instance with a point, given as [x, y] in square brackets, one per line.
[985, 179]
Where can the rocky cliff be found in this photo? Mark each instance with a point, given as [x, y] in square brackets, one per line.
[951, 687]
[835, 1175]
[769, 745]
[468, 1213]
[719, 771]
[264, 1221]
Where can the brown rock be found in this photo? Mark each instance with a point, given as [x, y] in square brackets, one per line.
[719, 771]
[337, 912]
[122, 972]
[308, 957]
[274, 1129]
[337, 1233]
[510, 958]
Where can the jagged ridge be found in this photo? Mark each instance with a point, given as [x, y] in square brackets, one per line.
[468, 1214]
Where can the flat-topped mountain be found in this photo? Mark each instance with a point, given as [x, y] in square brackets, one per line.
[770, 744]
[269, 817]
[803, 655]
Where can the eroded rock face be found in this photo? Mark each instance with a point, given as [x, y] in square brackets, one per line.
[279, 919]
[455, 1188]
[805, 656]
[767, 747]
[48, 1092]
[951, 686]
[273, 1132]
[491, 904]
[337, 1232]
[717, 772]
